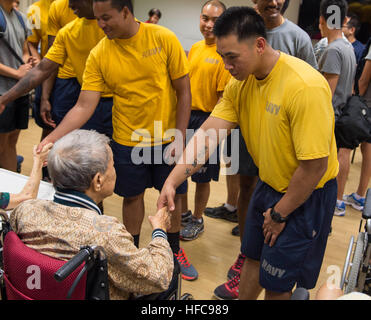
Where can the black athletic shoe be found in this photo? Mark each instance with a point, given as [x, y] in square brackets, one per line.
[236, 231]
[221, 213]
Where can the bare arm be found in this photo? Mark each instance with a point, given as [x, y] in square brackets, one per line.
[183, 92]
[302, 184]
[332, 80]
[365, 79]
[14, 73]
[31, 188]
[198, 150]
[47, 88]
[45, 105]
[75, 118]
[30, 81]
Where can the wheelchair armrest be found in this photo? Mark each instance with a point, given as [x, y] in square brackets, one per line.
[367, 208]
[300, 294]
[83, 255]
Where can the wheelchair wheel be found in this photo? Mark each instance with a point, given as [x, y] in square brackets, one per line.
[347, 263]
[186, 296]
[356, 264]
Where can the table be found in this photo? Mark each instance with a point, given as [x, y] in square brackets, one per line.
[13, 182]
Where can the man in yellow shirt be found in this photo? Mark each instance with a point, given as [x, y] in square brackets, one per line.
[147, 70]
[284, 110]
[37, 14]
[73, 42]
[61, 89]
[208, 78]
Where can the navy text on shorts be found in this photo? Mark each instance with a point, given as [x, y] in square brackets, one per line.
[297, 255]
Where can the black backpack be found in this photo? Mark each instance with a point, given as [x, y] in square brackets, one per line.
[353, 126]
[353, 120]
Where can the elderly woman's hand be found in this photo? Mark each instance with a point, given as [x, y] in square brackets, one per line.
[161, 220]
[41, 157]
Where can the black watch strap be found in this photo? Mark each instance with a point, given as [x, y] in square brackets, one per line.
[276, 217]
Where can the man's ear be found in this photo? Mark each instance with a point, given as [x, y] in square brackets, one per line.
[126, 12]
[260, 43]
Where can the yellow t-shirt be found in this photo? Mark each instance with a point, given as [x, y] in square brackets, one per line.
[37, 14]
[284, 118]
[207, 74]
[75, 41]
[59, 15]
[139, 71]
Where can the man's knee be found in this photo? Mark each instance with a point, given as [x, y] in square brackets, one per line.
[247, 182]
[133, 199]
[13, 138]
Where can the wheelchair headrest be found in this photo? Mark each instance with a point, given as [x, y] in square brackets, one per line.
[30, 274]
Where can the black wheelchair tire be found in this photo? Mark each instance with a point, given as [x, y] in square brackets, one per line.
[356, 264]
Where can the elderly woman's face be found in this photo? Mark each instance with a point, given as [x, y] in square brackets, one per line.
[109, 177]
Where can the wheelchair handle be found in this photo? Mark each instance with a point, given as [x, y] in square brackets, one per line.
[83, 255]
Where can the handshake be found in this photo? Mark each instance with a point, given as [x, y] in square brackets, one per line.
[161, 220]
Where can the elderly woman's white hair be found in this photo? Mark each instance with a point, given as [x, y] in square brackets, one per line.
[76, 158]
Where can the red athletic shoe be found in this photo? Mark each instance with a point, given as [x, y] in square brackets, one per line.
[236, 268]
[186, 268]
[228, 290]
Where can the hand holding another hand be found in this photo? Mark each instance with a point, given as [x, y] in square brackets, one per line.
[161, 220]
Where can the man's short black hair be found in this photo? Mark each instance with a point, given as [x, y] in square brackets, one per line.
[156, 12]
[216, 3]
[341, 4]
[120, 4]
[244, 22]
[354, 22]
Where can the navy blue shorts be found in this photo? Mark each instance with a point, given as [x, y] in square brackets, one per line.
[16, 115]
[297, 255]
[64, 97]
[247, 165]
[209, 171]
[133, 179]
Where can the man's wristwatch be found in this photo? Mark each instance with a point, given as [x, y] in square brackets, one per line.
[276, 217]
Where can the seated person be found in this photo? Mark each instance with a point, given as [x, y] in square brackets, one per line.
[81, 169]
[9, 201]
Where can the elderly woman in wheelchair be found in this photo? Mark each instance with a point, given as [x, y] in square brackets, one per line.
[72, 226]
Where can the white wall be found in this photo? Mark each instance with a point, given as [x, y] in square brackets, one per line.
[182, 17]
[24, 4]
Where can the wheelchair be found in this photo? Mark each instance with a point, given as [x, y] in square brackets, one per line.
[356, 275]
[26, 274]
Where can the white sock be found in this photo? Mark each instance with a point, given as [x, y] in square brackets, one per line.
[357, 196]
[198, 220]
[229, 207]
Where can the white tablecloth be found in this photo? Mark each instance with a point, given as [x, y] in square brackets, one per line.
[13, 182]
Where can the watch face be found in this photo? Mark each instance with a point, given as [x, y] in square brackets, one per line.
[276, 217]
